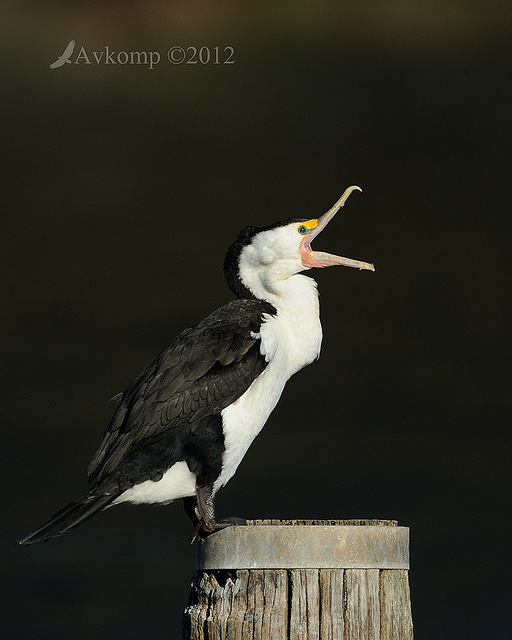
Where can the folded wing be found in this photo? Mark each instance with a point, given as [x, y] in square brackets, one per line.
[205, 369]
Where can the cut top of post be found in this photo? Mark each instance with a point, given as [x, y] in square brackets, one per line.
[304, 544]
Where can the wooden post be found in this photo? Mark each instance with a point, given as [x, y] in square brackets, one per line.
[302, 580]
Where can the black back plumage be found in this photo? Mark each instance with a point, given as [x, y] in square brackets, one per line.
[204, 369]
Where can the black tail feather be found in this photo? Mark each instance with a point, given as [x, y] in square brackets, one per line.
[69, 517]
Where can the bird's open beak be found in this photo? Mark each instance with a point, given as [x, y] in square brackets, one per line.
[317, 259]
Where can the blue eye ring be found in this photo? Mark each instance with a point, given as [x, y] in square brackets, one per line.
[302, 230]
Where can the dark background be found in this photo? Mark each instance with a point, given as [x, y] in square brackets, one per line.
[121, 188]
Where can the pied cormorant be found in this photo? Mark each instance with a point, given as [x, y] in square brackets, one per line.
[184, 424]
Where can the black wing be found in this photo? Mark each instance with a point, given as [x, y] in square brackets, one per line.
[204, 370]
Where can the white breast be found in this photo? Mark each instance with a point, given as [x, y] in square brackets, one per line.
[289, 341]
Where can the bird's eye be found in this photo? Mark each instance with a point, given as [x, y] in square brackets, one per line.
[302, 230]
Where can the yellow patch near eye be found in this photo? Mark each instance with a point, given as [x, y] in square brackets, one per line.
[311, 224]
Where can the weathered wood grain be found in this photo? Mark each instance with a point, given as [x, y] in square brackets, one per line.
[304, 601]
[332, 619]
[361, 604]
[299, 603]
[395, 603]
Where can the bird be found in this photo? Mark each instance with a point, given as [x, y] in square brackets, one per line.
[65, 57]
[182, 427]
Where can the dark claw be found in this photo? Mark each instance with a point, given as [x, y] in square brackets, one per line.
[203, 530]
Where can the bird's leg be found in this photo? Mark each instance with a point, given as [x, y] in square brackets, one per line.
[204, 509]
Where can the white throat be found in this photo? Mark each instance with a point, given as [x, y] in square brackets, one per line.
[296, 329]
